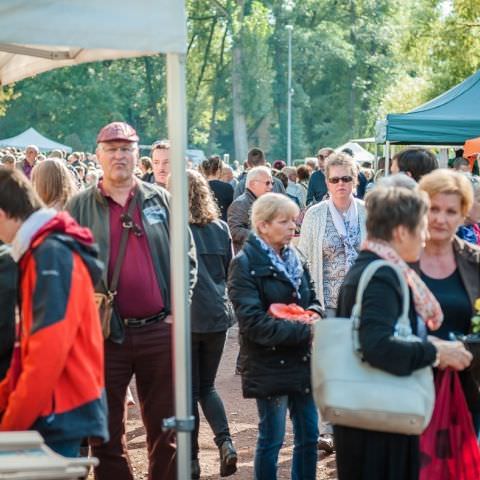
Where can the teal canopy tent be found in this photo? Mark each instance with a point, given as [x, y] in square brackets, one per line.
[448, 119]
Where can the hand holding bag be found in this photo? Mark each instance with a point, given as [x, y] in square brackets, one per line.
[448, 447]
[352, 393]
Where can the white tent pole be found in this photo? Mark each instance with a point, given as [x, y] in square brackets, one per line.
[387, 159]
[179, 243]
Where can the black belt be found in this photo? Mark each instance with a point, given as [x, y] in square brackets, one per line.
[142, 322]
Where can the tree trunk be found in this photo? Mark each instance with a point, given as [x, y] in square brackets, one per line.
[353, 69]
[239, 118]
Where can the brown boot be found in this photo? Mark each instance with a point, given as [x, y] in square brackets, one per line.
[228, 459]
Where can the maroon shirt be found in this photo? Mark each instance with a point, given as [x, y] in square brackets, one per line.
[27, 168]
[138, 292]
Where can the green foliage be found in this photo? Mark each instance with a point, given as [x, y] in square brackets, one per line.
[353, 62]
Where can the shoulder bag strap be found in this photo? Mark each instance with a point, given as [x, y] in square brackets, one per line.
[126, 225]
[402, 328]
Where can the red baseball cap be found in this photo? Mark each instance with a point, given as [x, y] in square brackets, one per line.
[117, 131]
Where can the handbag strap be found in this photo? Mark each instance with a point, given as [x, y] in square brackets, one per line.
[402, 327]
[127, 226]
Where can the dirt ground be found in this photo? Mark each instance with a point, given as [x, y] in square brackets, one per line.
[242, 418]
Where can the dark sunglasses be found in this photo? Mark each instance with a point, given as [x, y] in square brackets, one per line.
[345, 179]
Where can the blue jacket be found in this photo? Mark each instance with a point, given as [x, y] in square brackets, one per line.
[317, 187]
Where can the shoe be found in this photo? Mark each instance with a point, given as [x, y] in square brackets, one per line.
[325, 443]
[195, 467]
[228, 459]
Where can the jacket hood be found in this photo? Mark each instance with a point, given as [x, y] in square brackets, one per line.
[79, 239]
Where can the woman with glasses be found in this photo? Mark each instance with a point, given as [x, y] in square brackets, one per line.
[330, 239]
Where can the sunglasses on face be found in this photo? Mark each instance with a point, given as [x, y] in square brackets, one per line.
[344, 179]
[267, 183]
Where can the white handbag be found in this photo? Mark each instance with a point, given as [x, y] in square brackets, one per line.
[352, 393]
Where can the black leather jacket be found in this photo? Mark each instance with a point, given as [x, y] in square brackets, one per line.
[275, 353]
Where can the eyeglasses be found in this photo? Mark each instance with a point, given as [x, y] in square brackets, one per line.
[344, 179]
[127, 222]
[113, 150]
[267, 183]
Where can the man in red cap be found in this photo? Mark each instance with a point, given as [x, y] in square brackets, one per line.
[139, 335]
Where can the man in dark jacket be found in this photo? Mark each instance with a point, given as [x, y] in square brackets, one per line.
[259, 182]
[8, 299]
[140, 339]
[256, 158]
[317, 187]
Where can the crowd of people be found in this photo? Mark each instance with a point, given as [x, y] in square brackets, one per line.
[86, 296]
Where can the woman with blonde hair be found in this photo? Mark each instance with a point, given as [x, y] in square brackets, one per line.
[449, 266]
[275, 352]
[211, 316]
[53, 183]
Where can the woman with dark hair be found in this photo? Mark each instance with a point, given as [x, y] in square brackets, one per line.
[415, 162]
[222, 191]
[211, 317]
[396, 231]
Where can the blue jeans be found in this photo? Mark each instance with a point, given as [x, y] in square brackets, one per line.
[271, 432]
[69, 448]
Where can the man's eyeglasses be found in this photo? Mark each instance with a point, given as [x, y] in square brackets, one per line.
[127, 222]
[344, 179]
[267, 183]
[113, 150]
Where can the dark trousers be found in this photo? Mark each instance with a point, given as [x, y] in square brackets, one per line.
[207, 349]
[146, 352]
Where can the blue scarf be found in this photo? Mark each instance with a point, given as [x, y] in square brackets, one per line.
[287, 262]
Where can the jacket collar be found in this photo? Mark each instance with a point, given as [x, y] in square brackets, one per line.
[145, 190]
[467, 257]
[28, 230]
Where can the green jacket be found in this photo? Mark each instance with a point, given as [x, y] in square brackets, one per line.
[90, 209]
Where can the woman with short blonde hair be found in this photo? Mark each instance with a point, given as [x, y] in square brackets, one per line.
[341, 160]
[275, 352]
[53, 182]
[450, 266]
[270, 206]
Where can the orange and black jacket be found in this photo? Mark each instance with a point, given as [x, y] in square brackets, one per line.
[56, 384]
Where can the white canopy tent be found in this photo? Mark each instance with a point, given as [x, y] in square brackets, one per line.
[46, 34]
[32, 137]
[359, 153]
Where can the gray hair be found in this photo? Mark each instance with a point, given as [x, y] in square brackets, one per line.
[398, 180]
[257, 172]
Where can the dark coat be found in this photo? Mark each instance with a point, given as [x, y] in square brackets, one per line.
[239, 218]
[8, 300]
[381, 308]
[211, 310]
[366, 454]
[317, 187]
[275, 353]
[467, 258]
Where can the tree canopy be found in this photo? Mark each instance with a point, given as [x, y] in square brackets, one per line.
[353, 61]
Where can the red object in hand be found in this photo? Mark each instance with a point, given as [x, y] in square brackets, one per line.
[448, 447]
[291, 312]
